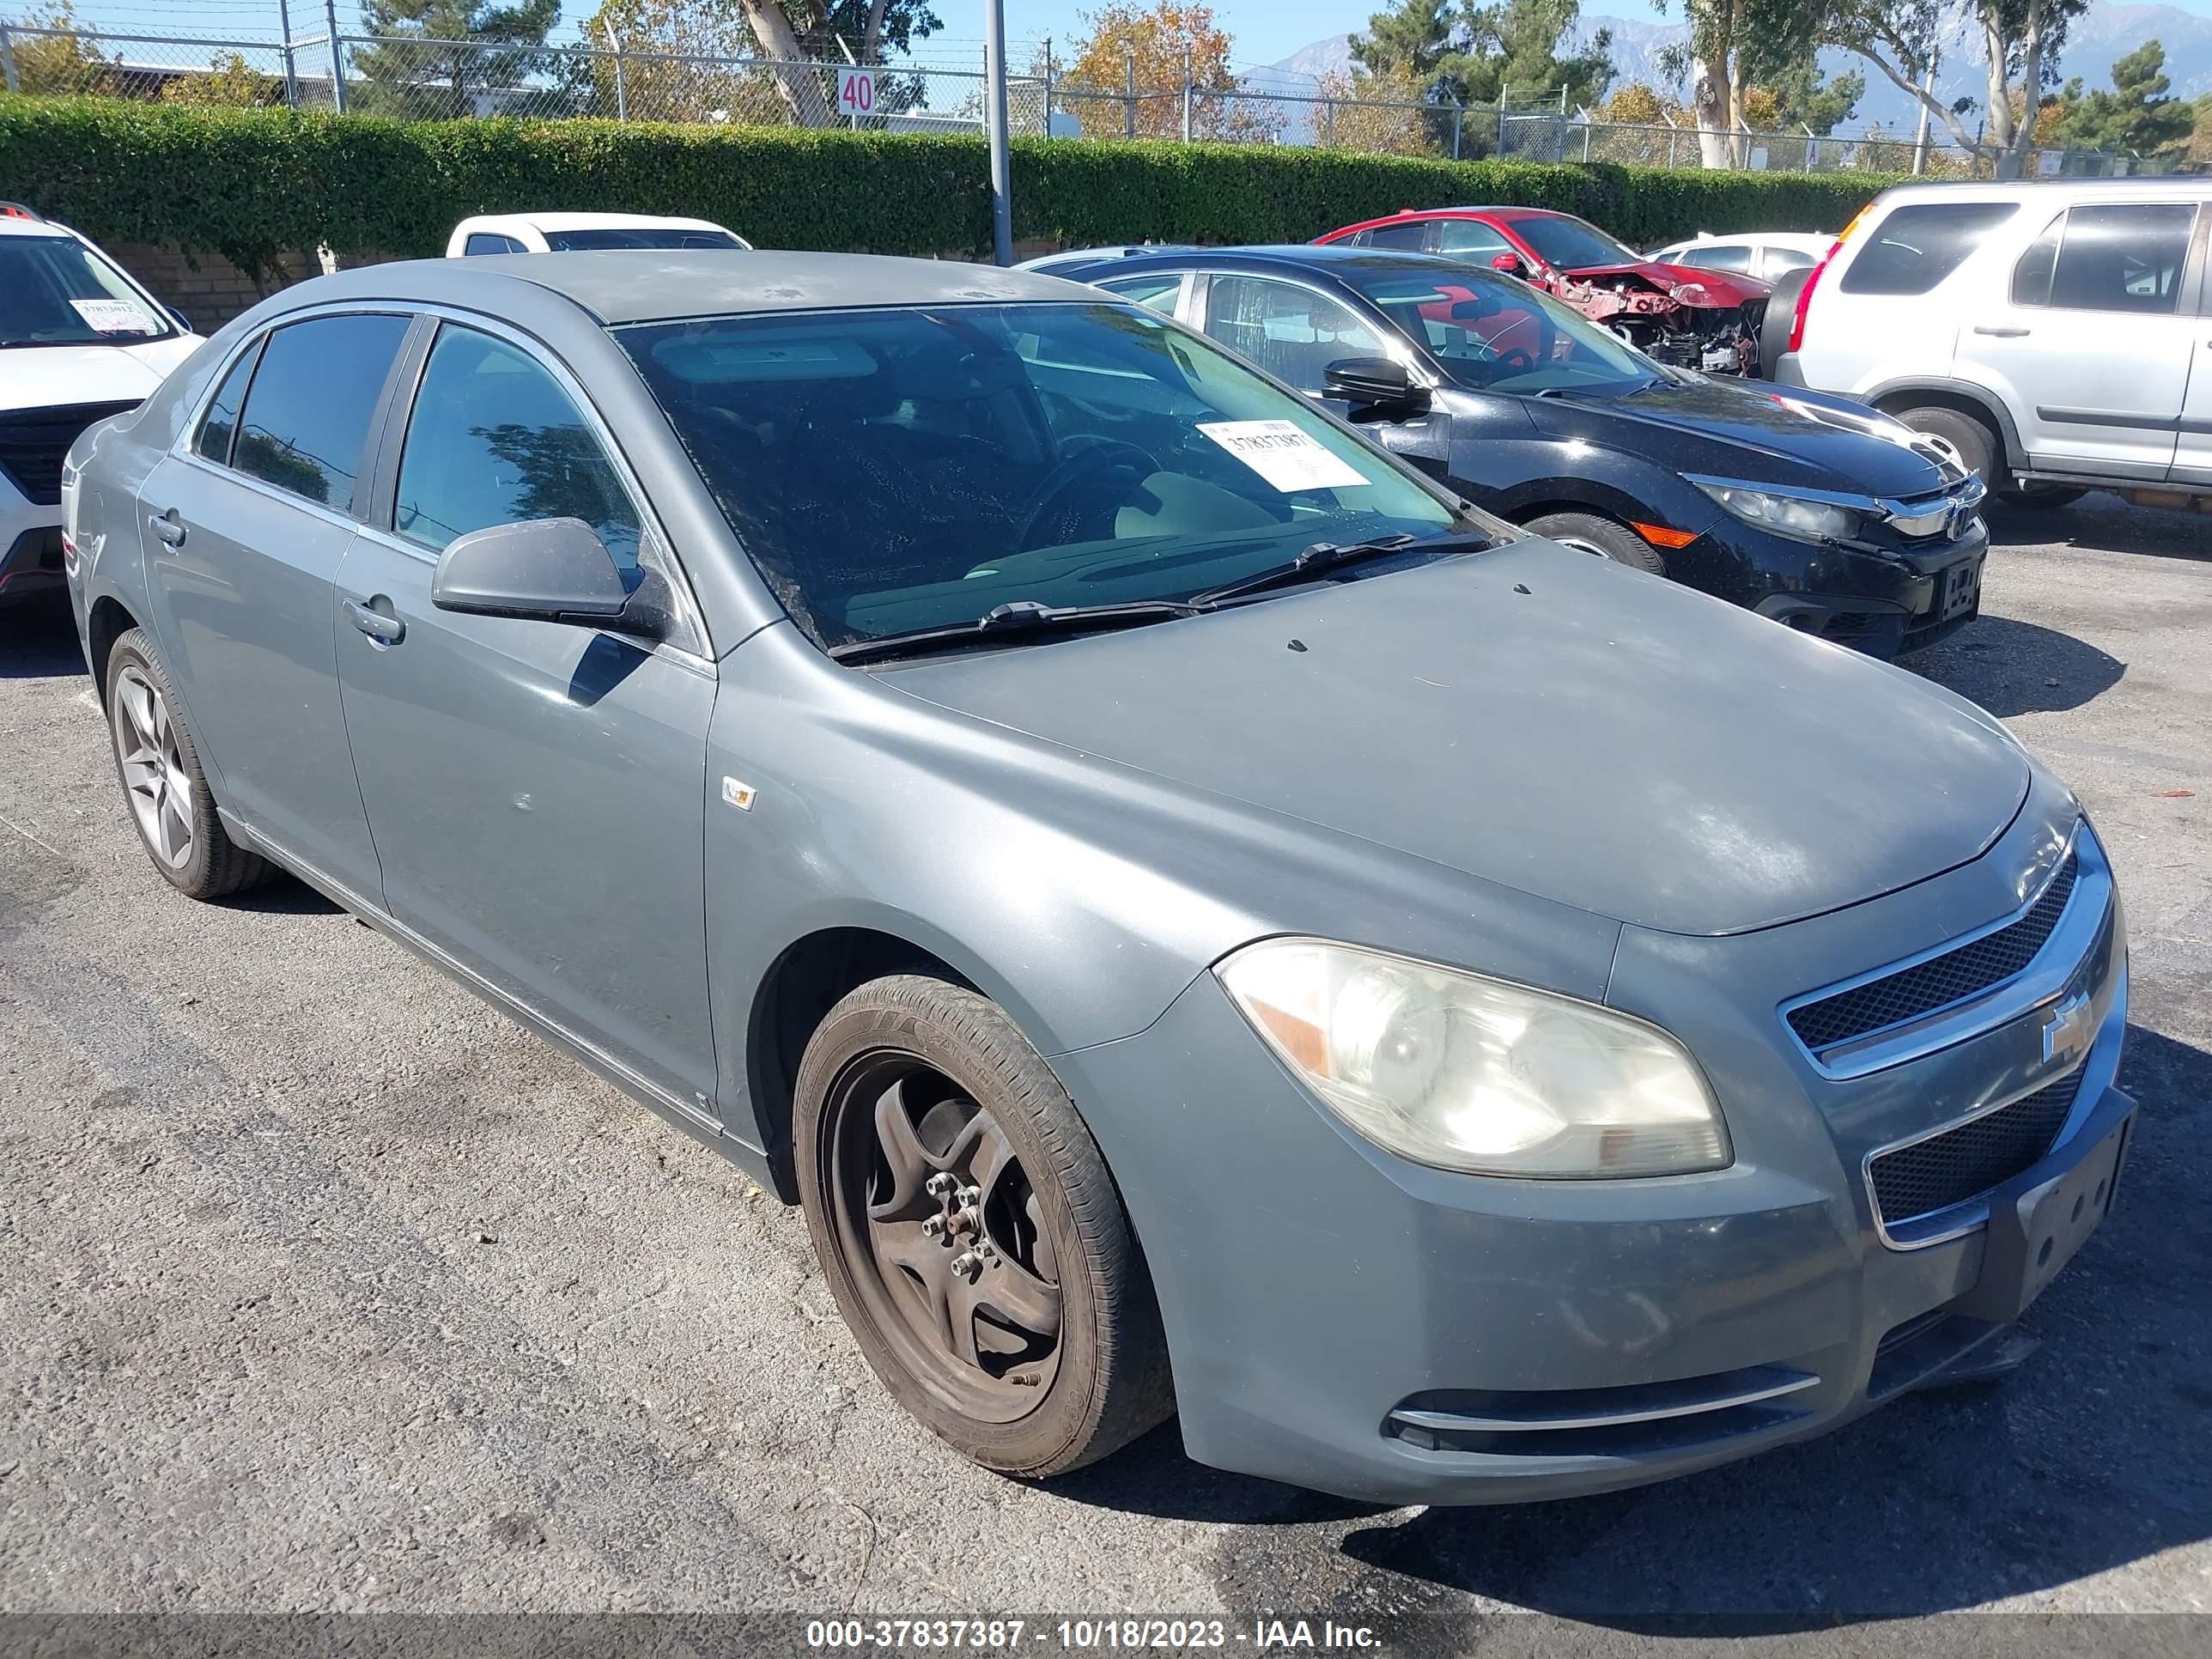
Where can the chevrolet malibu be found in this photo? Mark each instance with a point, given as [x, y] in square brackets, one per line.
[1201, 918]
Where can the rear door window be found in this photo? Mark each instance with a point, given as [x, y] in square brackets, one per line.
[307, 414]
[2123, 256]
[1159, 291]
[1916, 247]
[1412, 235]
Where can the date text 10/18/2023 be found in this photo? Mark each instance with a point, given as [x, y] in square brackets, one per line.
[1085, 1635]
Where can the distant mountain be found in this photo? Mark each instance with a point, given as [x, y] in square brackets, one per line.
[2100, 38]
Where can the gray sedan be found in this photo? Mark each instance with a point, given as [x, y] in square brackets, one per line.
[1202, 919]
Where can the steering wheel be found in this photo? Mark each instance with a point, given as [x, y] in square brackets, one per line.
[1082, 469]
[1515, 362]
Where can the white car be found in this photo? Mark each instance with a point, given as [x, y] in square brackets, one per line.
[79, 341]
[1770, 254]
[571, 233]
[2049, 333]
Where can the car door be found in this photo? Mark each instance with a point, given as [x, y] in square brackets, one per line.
[244, 527]
[2192, 453]
[1900, 294]
[535, 790]
[1295, 332]
[2087, 339]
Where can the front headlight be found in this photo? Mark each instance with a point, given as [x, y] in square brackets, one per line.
[1792, 515]
[1465, 1072]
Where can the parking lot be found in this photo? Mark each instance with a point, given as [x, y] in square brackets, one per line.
[330, 1288]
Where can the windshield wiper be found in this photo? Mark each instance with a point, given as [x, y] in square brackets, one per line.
[1012, 621]
[1321, 558]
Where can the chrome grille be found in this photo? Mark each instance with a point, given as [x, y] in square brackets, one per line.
[1957, 1164]
[1940, 981]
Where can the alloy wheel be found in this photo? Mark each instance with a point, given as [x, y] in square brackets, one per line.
[945, 1237]
[154, 771]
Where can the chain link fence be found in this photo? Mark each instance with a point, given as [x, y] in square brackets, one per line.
[452, 79]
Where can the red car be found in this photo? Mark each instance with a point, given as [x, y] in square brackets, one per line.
[1692, 318]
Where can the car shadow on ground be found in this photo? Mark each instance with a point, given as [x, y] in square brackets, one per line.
[2013, 668]
[2106, 524]
[2082, 1462]
[38, 639]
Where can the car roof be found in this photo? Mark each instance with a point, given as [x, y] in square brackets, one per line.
[544, 222]
[45, 228]
[636, 285]
[2193, 185]
[1323, 256]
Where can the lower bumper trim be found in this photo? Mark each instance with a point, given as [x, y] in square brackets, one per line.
[1606, 1408]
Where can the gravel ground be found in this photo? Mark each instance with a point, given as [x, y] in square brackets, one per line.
[324, 1287]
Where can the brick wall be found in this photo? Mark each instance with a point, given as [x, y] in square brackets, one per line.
[206, 287]
[210, 290]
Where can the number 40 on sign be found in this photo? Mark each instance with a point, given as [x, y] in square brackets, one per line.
[856, 92]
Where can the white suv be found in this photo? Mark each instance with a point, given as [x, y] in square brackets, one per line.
[2053, 335]
[573, 233]
[79, 341]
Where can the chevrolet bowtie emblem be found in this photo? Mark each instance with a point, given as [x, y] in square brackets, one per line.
[2068, 1030]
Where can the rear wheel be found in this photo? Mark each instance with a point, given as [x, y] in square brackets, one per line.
[159, 764]
[1586, 532]
[970, 1232]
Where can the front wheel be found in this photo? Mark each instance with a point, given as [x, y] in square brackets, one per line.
[970, 1232]
[1586, 532]
[1964, 438]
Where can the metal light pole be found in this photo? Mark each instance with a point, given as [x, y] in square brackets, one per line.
[994, 111]
[291, 72]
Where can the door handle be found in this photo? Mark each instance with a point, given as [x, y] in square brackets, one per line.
[384, 630]
[168, 527]
[2001, 333]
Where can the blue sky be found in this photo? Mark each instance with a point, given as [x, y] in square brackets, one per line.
[1265, 31]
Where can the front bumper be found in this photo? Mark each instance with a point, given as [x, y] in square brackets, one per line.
[30, 545]
[1343, 1320]
[1883, 604]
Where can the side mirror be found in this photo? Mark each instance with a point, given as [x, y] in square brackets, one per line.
[1372, 382]
[541, 570]
[1509, 264]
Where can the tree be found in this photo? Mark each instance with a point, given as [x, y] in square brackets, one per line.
[1636, 104]
[1383, 113]
[1155, 44]
[2136, 116]
[62, 62]
[442, 55]
[230, 79]
[1412, 39]
[1481, 53]
[741, 31]
[2020, 40]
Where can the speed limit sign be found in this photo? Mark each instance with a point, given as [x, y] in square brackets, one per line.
[856, 92]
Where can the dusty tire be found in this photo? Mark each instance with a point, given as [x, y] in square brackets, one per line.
[951, 1065]
[1970, 440]
[1589, 533]
[158, 763]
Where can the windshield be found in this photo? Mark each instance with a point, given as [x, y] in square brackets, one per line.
[1498, 335]
[1571, 243]
[589, 241]
[895, 470]
[54, 290]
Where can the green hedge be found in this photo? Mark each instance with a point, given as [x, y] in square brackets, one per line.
[253, 184]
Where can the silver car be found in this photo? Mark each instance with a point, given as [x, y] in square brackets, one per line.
[1200, 917]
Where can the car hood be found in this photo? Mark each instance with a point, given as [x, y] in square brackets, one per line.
[1721, 288]
[1562, 725]
[1752, 431]
[50, 377]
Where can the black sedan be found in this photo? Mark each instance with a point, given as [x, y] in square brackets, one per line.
[1809, 508]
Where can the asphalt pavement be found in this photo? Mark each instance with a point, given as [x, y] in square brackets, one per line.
[323, 1287]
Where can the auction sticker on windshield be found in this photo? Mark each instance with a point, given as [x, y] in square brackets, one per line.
[114, 317]
[1282, 453]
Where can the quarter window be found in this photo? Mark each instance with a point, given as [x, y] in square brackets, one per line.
[2031, 276]
[1917, 247]
[1158, 292]
[1709, 257]
[308, 411]
[486, 241]
[1293, 333]
[2124, 257]
[214, 441]
[495, 440]
[1776, 261]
